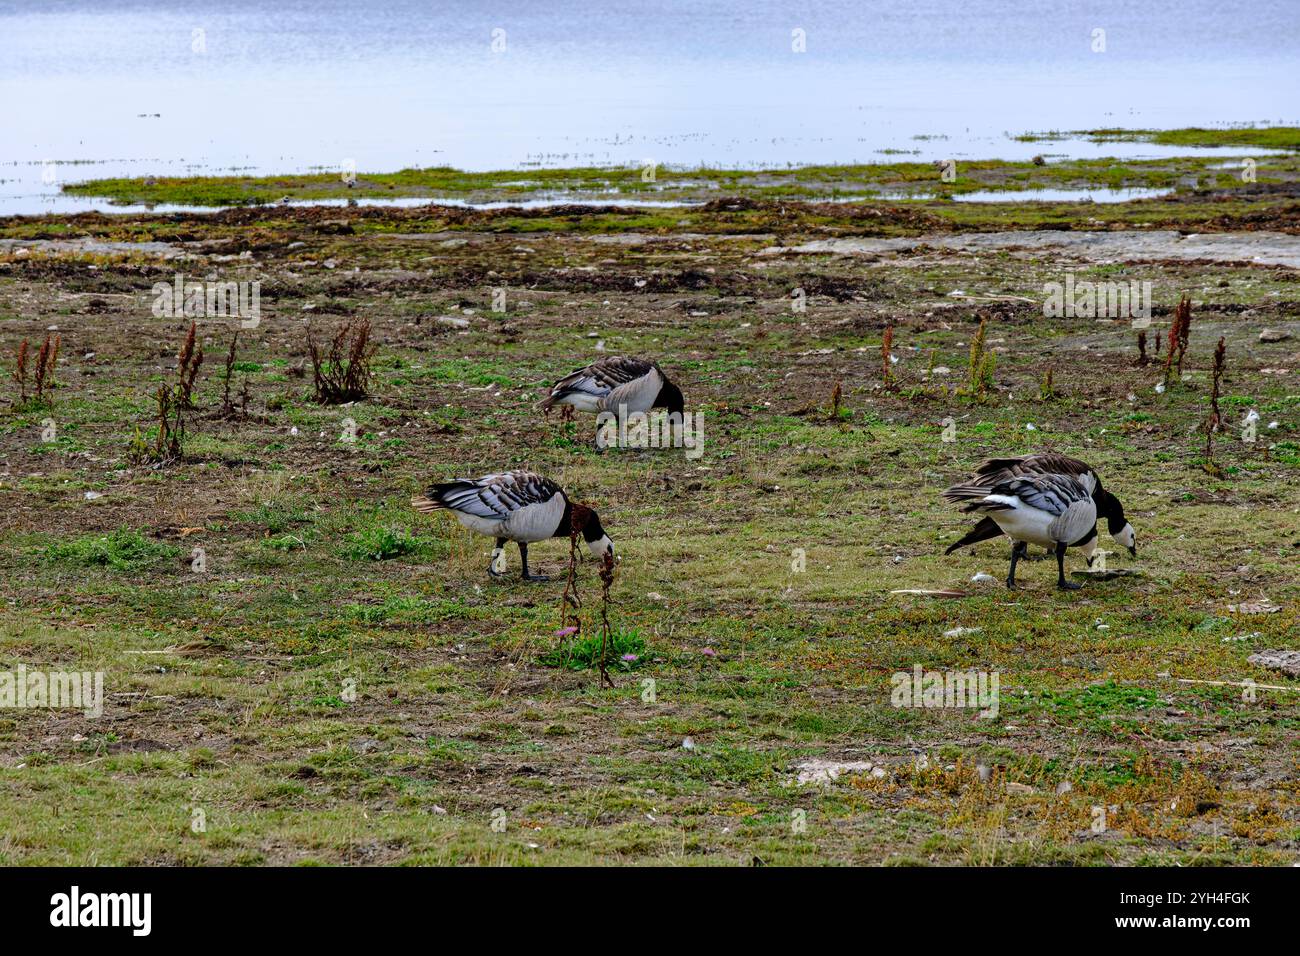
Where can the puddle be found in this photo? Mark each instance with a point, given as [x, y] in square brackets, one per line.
[67, 205]
[1062, 195]
[1261, 248]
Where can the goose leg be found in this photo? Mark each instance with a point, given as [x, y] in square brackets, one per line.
[1061, 583]
[523, 557]
[1017, 552]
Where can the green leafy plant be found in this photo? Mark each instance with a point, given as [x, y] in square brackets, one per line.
[382, 543]
[123, 550]
[625, 650]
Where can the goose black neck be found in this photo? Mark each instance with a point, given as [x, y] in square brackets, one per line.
[591, 530]
[671, 398]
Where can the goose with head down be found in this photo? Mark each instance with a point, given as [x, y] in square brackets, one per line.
[615, 383]
[519, 506]
[991, 471]
[1055, 511]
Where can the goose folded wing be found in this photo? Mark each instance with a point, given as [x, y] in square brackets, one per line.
[497, 497]
[993, 471]
[601, 378]
[1050, 493]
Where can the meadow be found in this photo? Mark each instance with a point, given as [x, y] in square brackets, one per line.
[339, 681]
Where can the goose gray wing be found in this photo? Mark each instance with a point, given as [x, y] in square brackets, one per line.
[991, 471]
[1065, 497]
[600, 378]
[495, 497]
[1053, 494]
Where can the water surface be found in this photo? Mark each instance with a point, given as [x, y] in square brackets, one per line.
[168, 87]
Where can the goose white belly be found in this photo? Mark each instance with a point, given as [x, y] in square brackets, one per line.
[531, 523]
[1021, 522]
[582, 401]
[492, 527]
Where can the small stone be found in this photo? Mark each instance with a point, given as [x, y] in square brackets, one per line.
[688, 744]
[1274, 335]
[827, 771]
[1063, 788]
[1262, 606]
[1019, 788]
[1288, 662]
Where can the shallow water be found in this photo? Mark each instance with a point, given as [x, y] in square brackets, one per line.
[172, 87]
[1061, 195]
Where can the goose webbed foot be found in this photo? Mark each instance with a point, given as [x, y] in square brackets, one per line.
[528, 575]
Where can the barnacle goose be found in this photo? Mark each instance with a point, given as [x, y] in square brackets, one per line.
[634, 384]
[1055, 511]
[993, 470]
[519, 506]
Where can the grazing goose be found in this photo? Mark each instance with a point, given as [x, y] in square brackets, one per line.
[1054, 511]
[518, 506]
[614, 381]
[993, 470]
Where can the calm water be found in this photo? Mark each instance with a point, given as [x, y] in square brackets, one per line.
[104, 87]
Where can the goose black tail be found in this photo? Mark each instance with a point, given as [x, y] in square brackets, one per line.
[984, 531]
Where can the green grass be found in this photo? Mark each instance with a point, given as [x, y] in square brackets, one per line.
[383, 543]
[1268, 137]
[123, 550]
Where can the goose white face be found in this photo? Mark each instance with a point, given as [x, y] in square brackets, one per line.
[601, 547]
[1128, 538]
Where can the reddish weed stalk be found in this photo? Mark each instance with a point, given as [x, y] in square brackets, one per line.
[341, 371]
[886, 349]
[1215, 421]
[1179, 332]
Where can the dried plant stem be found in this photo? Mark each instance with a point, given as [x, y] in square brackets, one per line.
[1215, 420]
[341, 370]
[886, 353]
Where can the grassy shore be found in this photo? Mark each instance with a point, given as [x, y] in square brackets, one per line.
[862, 181]
[343, 682]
